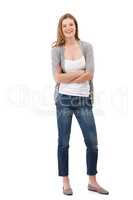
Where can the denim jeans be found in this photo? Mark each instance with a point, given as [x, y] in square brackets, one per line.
[81, 107]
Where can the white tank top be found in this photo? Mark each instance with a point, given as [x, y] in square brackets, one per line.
[75, 89]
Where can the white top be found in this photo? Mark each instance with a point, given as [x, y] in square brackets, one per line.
[75, 89]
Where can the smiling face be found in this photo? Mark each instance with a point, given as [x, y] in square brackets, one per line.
[68, 28]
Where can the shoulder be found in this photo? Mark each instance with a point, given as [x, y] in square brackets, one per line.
[55, 49]
[55, 52]
[86, 45]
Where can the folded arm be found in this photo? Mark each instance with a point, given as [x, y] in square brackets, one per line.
[86, 76]
[67, 77]
[78, 76]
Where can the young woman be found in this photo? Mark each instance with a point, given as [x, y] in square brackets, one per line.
[73, 68]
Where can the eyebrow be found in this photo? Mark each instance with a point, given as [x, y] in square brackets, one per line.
[68, 23]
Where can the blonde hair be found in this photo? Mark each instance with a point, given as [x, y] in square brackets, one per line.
[60, 37]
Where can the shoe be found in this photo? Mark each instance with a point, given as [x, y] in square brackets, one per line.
[99, 190]
[67, 191]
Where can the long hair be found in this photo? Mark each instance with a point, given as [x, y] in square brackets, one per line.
[60, 37]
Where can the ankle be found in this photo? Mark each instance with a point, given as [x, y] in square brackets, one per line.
[66, 182]
[65, 179]
[92, 179]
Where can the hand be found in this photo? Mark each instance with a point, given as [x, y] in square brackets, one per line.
[82, 78]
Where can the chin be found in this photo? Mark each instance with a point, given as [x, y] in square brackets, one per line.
[69, 36]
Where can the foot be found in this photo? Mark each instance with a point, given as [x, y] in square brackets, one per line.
[95, 187]
[66, 186]
[67, 191]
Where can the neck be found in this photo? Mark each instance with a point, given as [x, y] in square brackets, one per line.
[70, 41]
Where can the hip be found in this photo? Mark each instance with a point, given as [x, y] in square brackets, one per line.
[64, 100]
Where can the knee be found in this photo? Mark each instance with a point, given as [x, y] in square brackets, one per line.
[92, 147]
[63, 142]
[95, 147]
[63, 148]
[63, 145]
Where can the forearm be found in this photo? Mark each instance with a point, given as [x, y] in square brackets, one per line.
[67, 77]
[77, 76]
[86, 76]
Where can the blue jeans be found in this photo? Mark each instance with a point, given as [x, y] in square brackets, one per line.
[81, 107]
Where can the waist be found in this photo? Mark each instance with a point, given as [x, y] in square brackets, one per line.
[64, 100]
[75, 89]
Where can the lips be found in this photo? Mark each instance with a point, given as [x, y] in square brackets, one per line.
[69, 32]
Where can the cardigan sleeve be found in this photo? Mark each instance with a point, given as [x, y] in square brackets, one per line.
[89, 58]
[56, 60]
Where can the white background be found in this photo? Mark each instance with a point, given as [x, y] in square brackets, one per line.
[28, 130]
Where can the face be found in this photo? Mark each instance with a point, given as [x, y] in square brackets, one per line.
[68, 28]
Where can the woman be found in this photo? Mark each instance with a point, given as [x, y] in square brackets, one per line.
[73, 68]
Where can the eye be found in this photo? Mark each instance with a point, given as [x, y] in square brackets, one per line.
[64, 25]
[71, 24]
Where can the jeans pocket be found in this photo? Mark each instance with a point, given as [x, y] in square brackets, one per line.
[89, 102]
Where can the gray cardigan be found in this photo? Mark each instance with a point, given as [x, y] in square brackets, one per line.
[57, 54]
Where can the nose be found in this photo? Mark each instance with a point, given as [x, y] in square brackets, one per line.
[69, 29]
